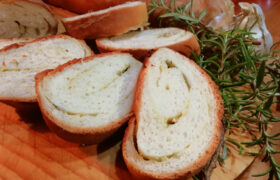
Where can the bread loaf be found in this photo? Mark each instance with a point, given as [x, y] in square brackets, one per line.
[87, 100]
[108, 22]
[178, 119]
[20, 62]
[142, 43]
[26, 18]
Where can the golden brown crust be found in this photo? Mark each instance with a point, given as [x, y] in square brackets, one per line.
[129, 137]
[184, 47]
[113, 22]
[20, 44]
[62, 13]
[69, 132]
[85, 6]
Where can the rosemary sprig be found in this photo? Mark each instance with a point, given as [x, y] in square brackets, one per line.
[248, 81]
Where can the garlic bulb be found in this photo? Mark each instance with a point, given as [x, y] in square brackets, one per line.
[252, 17]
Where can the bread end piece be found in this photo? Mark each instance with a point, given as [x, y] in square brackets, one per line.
[109, 22]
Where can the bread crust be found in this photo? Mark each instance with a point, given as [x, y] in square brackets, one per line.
[20, 44]
[91, 135]
[109, 23]
[82, 7]
[62, 36]
[184, 47]
[61, 12]
[85, 6]
[129, 143]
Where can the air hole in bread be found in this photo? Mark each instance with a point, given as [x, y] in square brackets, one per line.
[170, 64]
[146, 159]
[174, 120]
[164, 35]
[124, 70]
[37, 31]
[167, 87]
[187, 82]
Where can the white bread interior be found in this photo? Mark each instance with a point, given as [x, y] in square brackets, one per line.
[25, 18]
[178, 118]
[146, 39]
[92, 93]
[20, 62]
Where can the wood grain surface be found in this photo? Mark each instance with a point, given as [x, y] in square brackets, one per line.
[28, 150]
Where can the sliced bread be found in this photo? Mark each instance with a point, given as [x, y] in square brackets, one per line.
[87, 100]
[108, 22]
[142, 43]
[20, 62]
[178, 119]
[26, 18]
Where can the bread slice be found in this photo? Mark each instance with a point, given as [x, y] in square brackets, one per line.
[178, 119]
[108, 22]
[87, 100]
[20, 62]
[141, 43]
[26, 18]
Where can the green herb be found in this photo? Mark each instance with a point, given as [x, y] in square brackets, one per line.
[248, 81]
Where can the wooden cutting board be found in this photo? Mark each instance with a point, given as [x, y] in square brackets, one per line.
[28, 150]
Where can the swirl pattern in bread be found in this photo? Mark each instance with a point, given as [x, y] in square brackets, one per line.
[178, 119]
[26, 18]
[87, 100]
